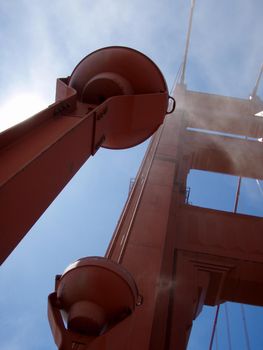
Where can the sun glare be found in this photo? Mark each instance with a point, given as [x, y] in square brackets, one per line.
[19, 107]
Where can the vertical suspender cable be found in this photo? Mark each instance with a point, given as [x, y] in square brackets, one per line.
[237, 194]
[254, 92]
[177, 77]
[245, 326]
[259, 186]
[228, 328]
[187, 41]
[214, 327]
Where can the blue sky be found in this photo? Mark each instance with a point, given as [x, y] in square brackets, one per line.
[43, 40]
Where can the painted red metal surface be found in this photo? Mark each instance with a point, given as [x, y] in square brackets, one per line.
[39, 156]
[166, 258]
[181, 256]
[96, 294]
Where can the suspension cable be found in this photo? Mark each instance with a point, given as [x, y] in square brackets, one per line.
[237, 195]
[259, 186]
[187, 41]
[214, 327]
[228, 328]
[254, 92]
[177, 77]
[245, 326]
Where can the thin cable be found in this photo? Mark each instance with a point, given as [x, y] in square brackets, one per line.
[228, 328]
[254, 93]
[187, 41]
[214, 327]
[259, 186]
[237, 194]
[177, 77]
[245, 326]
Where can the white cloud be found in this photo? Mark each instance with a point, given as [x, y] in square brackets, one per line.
[226, 45]
[20, 106]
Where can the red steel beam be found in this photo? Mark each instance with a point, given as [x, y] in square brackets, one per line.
[39, 156]
[180, 256]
